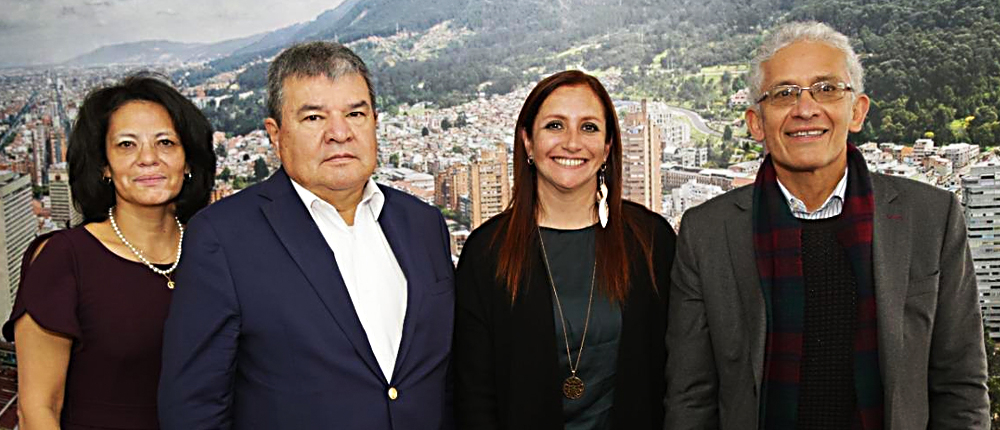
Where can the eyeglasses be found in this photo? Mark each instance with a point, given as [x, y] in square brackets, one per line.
[822, 92]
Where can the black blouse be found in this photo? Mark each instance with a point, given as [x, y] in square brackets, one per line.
[571, 259]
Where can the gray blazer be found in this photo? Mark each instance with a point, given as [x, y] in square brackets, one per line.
[930, 333]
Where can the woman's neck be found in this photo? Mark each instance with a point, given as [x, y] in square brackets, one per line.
[566, 211]
[152, 230]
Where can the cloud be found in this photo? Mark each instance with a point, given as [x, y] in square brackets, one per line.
[9, 25]
[33, 31]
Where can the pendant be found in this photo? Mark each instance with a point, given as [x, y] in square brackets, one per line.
[573, 387]
[170, 284]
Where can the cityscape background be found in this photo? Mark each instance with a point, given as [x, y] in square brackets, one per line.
[451, 76]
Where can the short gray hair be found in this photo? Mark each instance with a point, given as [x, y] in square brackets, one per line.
[812, 31]
[310, 59]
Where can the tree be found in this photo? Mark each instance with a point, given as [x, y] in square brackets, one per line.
[461, 120]
[220, 150]
[394, 159]
[226, 174]
[727, 134]
[260, 171]
[445, 124]
[425, 132]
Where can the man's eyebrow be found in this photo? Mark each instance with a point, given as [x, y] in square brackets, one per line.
[306, 108]
[822, 78]
[358, 105]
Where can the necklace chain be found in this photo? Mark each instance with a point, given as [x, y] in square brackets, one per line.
[177, 259]
[586, 323]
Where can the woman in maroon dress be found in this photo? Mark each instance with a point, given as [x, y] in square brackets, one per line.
[88, 318]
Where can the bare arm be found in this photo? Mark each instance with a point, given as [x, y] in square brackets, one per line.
[43, 357]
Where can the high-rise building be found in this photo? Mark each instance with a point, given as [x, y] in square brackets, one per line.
[449, 184]
[64, 214]
[17, 230]
[641, 148]
[981, 201]
[489, 186]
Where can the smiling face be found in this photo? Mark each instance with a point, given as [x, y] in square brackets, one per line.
[807, 136]
[568, 141]
[145, 157]
[326, 140]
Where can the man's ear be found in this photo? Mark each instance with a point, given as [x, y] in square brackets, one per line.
[859, 111]
[272, 131]
[755, 123]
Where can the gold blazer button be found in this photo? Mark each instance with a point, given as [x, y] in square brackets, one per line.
[393, 394]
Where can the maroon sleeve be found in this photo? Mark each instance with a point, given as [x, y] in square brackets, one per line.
[48, 289]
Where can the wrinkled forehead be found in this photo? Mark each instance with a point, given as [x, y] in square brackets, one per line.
[349, 88]
[804, 63]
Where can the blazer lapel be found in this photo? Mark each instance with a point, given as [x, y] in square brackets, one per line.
[392, 220]
[891, 261]
[739, 233]
[304, 242]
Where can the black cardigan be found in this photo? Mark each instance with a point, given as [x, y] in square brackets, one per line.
[505, 358]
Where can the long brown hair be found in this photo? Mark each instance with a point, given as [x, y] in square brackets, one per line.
[519, 231]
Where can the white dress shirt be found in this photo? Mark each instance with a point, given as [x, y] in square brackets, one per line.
[832, 207]
[369, 268]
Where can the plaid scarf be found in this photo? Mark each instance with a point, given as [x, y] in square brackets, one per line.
[778, 247]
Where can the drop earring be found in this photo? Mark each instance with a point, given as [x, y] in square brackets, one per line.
[602, 196]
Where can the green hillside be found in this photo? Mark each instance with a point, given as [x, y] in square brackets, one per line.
[932, 65]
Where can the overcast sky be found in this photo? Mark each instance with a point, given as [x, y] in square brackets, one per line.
[49, 31]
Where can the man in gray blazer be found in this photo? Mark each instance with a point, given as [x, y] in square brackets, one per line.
[824, 295]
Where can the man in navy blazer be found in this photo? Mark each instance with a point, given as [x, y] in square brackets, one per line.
[316, 299]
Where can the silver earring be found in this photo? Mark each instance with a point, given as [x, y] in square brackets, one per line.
[531, 160]
[188, 176]
[107, 180]
[602, 196]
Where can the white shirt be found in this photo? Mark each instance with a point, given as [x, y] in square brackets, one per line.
[832, 207]
[369, 268]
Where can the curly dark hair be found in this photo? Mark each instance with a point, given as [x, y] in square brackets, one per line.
[87, 154]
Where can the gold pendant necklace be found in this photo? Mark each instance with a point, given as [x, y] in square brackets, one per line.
[573, 386]
[166, 273]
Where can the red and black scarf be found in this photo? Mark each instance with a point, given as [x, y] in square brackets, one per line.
[778, 248]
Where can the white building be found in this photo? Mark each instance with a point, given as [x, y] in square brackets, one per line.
[981, 201]
[687, 196]
[63, 212]
[17, 230]
[959, 153]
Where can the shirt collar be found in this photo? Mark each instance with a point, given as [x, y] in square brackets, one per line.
[836, 198]
[372, 198]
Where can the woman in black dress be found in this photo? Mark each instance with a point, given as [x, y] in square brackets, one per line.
[561, 299]
[89, 312]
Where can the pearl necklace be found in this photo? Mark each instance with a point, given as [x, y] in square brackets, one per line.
[166, 273]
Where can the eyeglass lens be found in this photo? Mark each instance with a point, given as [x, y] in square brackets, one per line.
[821, 92]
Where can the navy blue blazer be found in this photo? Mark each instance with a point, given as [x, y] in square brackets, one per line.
[262, 333]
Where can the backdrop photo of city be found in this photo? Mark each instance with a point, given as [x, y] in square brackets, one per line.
[451, 75]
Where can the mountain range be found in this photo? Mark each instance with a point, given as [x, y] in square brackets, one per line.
[933, 66]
